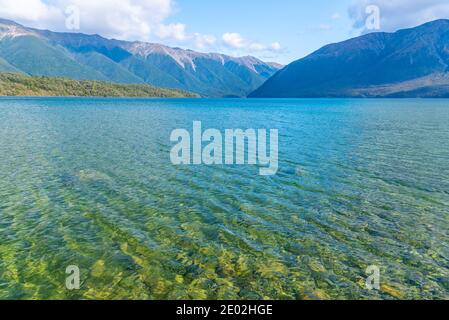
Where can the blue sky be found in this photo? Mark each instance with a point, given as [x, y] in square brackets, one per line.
[273, 30]
[300, 27]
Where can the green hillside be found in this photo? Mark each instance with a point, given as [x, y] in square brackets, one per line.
[91, 57]
[36, 57]
[20, 85]
[6, 67]
[113, 71]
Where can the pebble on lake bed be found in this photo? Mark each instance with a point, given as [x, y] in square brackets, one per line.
[92, 175]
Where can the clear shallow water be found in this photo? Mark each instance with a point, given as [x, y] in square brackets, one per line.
[89, 182]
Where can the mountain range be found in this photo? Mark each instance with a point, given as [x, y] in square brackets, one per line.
[79, 56]
[408, 63]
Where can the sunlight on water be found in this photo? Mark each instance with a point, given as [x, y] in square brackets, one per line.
[89, 182]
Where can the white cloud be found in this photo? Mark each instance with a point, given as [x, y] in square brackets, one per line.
[29, 11]
[144, 20]
[399, 14]
[203, 41]
[120, 19]
[276, 46]
[176, 31]
[235, 40]
[112, 18]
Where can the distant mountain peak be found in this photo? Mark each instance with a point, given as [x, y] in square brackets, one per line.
[409, 62]
[434, 23]
[9, 22]
[144, 49]
[275, 65]
[11, 29]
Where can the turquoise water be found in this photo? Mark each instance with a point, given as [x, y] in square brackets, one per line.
[89, 182]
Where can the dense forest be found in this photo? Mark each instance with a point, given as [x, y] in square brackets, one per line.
[20, 85]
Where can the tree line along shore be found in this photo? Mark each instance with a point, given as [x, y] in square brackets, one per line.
[12, 84]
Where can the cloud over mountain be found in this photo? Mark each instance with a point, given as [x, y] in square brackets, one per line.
[120, 19]
[148, 20]
[399, 14]
[235, 40]
[113, 18]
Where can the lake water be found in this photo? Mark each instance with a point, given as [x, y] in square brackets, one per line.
[89, 182]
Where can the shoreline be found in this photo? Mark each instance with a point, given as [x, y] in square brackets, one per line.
[18, 85]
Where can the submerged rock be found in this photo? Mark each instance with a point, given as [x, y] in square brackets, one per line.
[392, 291]
[90, 175]
[98, 269]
